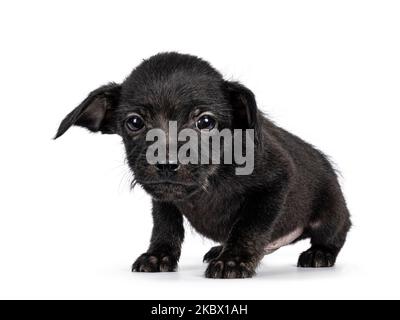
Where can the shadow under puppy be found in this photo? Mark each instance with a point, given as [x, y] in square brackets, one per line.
[293, 192]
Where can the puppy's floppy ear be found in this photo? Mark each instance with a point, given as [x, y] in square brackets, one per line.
[245, 111]
[95, 112]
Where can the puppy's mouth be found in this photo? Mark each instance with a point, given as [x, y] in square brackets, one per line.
[170, 190]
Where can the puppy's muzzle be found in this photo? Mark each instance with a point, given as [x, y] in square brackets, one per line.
[167, 167]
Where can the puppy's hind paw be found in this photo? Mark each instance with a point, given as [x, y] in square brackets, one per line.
[316, 258]
[151, 262]
[213, 253]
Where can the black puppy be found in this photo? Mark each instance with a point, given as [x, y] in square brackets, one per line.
[293, 192]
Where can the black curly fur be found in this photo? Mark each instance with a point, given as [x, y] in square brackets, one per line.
[293, 185]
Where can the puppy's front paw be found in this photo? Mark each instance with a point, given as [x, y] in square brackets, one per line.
[155, 262]
[230, 267]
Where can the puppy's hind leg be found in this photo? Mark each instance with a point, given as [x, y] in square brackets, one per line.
[212, 254]
[328, 235]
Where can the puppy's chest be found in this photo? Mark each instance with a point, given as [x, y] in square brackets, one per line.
[211, 215]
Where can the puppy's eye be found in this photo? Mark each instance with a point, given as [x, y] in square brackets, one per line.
[134, 123]
[206, 122]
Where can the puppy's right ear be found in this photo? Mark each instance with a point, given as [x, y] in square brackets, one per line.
[95, 112]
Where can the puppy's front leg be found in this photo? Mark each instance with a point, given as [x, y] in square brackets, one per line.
[248, 238]
[166, 240]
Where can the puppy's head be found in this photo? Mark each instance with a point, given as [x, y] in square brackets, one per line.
[167, 87]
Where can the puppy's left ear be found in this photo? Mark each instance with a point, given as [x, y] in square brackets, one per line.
[245, 111]
[95, 112]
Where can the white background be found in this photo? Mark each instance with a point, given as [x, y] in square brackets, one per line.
[329, 71]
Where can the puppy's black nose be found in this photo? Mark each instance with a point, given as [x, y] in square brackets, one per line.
[167, 167]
